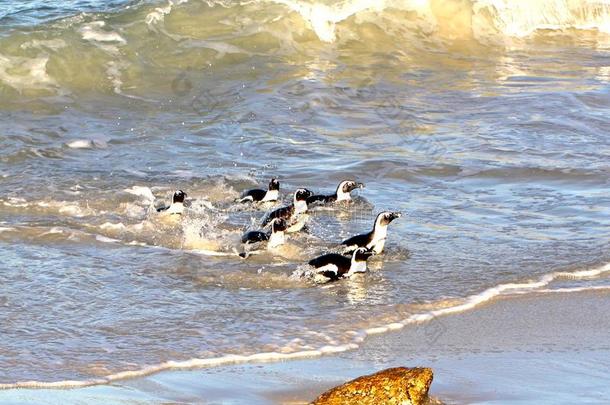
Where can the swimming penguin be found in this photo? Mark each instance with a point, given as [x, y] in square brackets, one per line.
[375, 239]
[293, 214]
[333, 266]
[274, 238]
[271, 194]
[177, 205]
[342, 194]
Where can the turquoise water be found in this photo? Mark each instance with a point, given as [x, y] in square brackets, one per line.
[486, 127]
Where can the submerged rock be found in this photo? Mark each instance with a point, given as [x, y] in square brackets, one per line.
[399, 385]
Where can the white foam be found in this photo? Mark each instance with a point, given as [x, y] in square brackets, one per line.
[323, 18]
[357, 337]
[222, 48]
[52, 44]
[205, 252]
[15, 202]
[576, 289]
[106, 239]
[522, 17]
[485, 19]
[81, 144]
[491, 293]
[113, 70]
[141, 191]
[35, 74]
[158, 14]
[113, 227]
[93, 32]
[182, 365]
[6, 229]
[72, 210]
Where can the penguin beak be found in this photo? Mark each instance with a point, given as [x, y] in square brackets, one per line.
[395, 215]
[360, 185]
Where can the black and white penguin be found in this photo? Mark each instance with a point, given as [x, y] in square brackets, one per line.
[333, 266]
[177, 205]
[375, 239]
[292, 212]
[255, 195]
[341, 194]
[275, 237]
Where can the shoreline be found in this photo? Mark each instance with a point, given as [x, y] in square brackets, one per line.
[515, 347]
[433, 316]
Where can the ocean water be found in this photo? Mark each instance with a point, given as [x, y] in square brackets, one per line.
[485, 123]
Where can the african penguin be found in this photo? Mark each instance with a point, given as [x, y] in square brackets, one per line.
[177, 205]
[341, 194]
[290, 213]
[274, 238]
[334, 266]
[255, 195]
[375, 239]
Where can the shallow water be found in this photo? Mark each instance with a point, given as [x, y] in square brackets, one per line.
[491, 138]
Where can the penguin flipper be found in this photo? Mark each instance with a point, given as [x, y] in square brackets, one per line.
[318, 199]
[330, 275]
[254, 237]
[283, 213]
[329, 261]
[358, 240]
[253, 195]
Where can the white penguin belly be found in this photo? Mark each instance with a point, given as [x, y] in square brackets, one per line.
[378, 246]
[357, 267]
[298, 224]
[271, 195]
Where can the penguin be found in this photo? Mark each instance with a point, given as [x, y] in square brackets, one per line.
[274, 238]
[375, 239]
[293, 214]
[333, 266]
[177, 205]
[342, 194]
[255, 195]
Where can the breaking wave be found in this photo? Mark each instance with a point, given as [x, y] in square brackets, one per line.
[130, 52]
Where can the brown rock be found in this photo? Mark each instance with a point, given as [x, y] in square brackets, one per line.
[400, 386]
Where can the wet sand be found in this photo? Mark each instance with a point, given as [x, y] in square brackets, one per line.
[542, 348]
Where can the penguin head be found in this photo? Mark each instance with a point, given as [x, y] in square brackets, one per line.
[385, 217]
[302, 194]
[347, 186]
[362, 254]
[179, 197]
[278, 225]
[274, 184]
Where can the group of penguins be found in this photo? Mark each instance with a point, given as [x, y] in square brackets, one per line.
[292, 218]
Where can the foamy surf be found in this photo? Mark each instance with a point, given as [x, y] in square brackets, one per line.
[357, 337]
[86, 144]
[141, 191]
[489, 22]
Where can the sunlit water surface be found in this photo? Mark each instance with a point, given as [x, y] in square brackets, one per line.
[494, 147]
